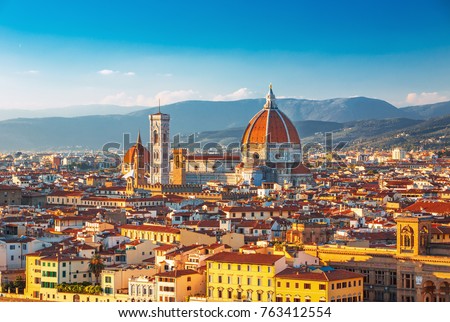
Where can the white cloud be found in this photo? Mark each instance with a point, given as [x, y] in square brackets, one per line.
[166, 97]
[425, 98]
[120, 98]
[107, 72]
[241, 93]
[29, 72]
[129, 74]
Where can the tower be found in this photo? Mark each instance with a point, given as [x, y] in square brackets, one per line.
[179, 166]
[159, 148]
[413, 235]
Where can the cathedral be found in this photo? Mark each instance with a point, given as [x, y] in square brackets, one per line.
[271, 149]
[270, 153]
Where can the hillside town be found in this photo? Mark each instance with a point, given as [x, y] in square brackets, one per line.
[263, 223]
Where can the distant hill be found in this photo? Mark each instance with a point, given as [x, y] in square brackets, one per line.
[430, 134]
[69, 111]
[222, 121]
[427, 111]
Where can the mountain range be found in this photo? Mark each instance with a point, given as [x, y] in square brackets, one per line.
[355, 118]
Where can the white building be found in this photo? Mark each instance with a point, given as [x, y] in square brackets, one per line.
[141, 289]
[13, 251]
[398, 154]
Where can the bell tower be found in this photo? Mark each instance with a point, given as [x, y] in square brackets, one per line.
[413, 235]
[159, 148]
[179, 166]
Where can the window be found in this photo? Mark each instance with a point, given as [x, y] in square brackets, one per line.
[366, 275]
[307, 286]
[230, 294]
[288, 284]
[189, 279]
[278, 284]
[63, 273]
[379, 277]
[239, 267]
[220, 279]
[249, 281]
[344, 284]
[108, 279]
[392, 278]
[248, 268]
[322, 287]
[220, 294]
[269, 283]
[63, 264]
[188, 288]
[259, 268]
[12, 247]
[268, 269]
[12, 257]
[407, 281]
[259, 282]
[296, 285]
[229, 266]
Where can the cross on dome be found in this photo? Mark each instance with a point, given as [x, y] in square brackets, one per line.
[271, 101]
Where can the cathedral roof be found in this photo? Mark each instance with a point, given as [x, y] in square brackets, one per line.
[137, 148]
[270, 125]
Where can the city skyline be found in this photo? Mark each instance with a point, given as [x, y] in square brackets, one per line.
[109, 53]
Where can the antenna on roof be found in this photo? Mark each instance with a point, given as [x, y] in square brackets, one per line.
[159, 105]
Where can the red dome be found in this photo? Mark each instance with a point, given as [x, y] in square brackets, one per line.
[137, 148]
[270, 125]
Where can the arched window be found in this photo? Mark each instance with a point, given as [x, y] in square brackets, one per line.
[155, 137]
[407, 237]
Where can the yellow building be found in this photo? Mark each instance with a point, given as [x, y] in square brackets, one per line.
[45, 270]
[154, 233]
[242, 277]
[417, 270]
[330, 285]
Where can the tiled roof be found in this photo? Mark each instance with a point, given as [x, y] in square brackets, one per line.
[153, 228]
[332, 275]
[177, 273]
[261, 259]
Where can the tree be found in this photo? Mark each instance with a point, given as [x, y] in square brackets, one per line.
[96, 266]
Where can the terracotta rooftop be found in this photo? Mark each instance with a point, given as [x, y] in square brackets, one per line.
[260, 259]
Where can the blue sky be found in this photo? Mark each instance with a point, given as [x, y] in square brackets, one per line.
[60, 53]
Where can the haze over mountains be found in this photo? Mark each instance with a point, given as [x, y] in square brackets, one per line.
[218, 121]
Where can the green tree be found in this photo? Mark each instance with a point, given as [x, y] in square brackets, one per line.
[96, 266]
